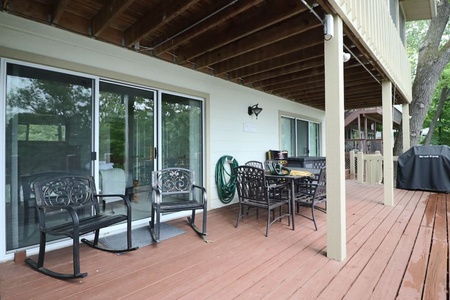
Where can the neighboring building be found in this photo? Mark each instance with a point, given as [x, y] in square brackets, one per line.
[90, 86]
[363, 129]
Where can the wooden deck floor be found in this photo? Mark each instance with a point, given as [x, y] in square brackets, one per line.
[392, 252]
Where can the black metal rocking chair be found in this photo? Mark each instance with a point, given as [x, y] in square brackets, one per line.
[68, 205]
[174, 190]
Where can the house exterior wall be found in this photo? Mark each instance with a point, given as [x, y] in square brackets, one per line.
[226, 102]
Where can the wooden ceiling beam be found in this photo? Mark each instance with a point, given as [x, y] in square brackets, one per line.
[221, 12]
[58, 10]
[107, 14]
[297, 69]
[249, 22]
[283, 47]
[314, 82]
[296, 79]
[288, 76]
[292, 86]
[278, 62]
[259, 39]
[164, 12]
[305, 96]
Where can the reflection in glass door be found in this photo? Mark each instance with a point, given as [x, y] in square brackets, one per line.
[300, 137]
[288, 135]
[48, 129]
[126, 144]
[50, 123]
[182, 133]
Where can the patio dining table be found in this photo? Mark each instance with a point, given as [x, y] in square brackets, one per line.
[293, 178]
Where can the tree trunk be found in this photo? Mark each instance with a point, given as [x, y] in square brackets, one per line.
[445, 92]
[431, 62]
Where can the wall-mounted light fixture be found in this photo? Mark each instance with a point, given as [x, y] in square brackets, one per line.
[346, 56]
[328, 27]
[254, 110]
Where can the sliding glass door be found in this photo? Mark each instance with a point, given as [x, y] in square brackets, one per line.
[60, 121]
[300, 137]
[182, 133]
[126, 143]
[48, 125]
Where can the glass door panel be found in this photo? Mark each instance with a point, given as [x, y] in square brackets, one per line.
[314, 144]
[126, 144]
[288, 135]
[48, 128]
[302, 138]
[182, 134]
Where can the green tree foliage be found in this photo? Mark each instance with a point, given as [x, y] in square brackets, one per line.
[433, 56]
[415, 34]
[42, 103]
[438, 121]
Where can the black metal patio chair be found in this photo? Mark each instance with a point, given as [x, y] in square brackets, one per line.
[255, 163]
[174, 190]
[69, 206]
[254, 191]
[312, 194]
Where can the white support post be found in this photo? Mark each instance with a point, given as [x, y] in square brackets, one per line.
[352, 163]
[335, 144]
[388, 143]
[360, 167]
[405, 128]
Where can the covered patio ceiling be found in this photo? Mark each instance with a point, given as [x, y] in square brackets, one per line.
[273, 46]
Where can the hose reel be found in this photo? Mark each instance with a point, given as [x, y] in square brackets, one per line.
[226, 178]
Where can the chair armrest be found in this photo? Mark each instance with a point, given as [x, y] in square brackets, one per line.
[70, 210]
[124, 198]
[307, 185]
[156, 194]
[200, 187]
[277, 185]
[203, 192]
[306, 188]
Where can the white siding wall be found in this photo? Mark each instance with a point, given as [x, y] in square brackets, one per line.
[226, 103]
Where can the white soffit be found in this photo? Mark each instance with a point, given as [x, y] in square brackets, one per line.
[418, 9]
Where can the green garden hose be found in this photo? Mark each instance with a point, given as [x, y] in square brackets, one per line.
[226, 181]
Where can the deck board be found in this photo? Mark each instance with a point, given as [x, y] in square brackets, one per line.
[398, 252]
[436, 281]
[388, 285]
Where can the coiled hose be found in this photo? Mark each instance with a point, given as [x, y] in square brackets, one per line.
[226, 182]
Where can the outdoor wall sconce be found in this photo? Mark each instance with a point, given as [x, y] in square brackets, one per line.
[328, 27]
[254, 110]
[346, 56]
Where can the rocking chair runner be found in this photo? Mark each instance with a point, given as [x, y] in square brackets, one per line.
[174, 190]
[68, 206]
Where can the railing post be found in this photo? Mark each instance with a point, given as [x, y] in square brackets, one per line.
[360, 173]
[378, 166]
[352, 162]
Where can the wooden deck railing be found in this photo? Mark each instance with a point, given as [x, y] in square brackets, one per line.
[367, 167]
